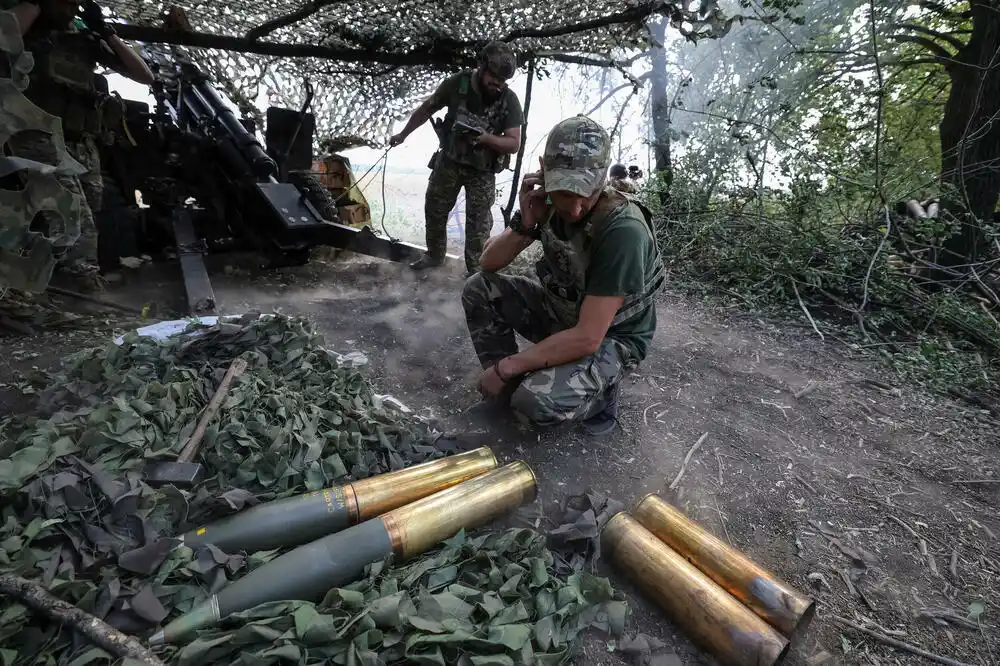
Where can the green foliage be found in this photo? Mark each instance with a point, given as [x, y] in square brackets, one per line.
[78, 518]
[792, 145]
[489, 600]
[771, 252]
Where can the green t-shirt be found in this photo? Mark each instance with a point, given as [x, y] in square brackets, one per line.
[621, 255]
[512, 117]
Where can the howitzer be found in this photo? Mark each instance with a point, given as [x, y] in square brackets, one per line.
[211, 186]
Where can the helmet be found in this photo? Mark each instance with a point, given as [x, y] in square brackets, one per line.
[499, 59]
[577, 155]
[618, 171]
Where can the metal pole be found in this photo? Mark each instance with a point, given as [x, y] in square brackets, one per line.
[514, 184]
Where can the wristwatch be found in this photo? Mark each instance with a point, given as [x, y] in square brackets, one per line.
[517, 226]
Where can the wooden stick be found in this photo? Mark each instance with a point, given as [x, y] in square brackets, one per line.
[92, 299]
[977, 481]
[806, 390]
[906, 527]
[912, 649]
[34, 596]
[190, 449]
[687, 458]
[806, 310]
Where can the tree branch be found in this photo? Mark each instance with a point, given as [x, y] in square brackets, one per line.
[930, 45]
[440, 59]
[623, 86]
[637, 13]
[514, 183]
[143, 33]
[302, 12]
[940, 9]
[954, 41]
[915, 61]
[576, 59]
[37, 598]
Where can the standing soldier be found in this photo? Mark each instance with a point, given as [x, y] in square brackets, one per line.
[591, 311]
[480, 132]
[62, 82]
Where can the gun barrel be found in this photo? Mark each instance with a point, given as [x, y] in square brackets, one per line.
[301, 519]
[260, 163]
[309, 571]
[770, 598]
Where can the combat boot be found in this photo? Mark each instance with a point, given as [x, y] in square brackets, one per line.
[425, 262]
[604, 422]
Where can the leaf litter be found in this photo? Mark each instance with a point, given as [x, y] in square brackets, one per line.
[78, 518]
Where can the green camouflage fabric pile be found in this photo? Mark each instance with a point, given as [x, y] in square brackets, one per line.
[27, 257]
[78, 519]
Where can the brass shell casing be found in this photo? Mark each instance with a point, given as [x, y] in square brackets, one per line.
[707, 613]
[377, 494]
[769, 597]
[418, 526]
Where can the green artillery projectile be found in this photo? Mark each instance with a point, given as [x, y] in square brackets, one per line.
[299, 520]
[309, 571]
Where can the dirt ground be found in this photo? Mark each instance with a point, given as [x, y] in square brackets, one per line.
[877, 498]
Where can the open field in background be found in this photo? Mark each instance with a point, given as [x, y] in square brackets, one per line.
[404, 204]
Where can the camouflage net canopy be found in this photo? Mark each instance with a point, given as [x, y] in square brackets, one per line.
[372, 61]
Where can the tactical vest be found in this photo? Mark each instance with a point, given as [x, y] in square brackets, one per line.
[62, 81]
[563, 268]
[457, 146]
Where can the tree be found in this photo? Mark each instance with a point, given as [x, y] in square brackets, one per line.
[969, 131]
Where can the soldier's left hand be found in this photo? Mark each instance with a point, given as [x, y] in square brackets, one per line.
[93, 16]
[482, 139]
[490, 384]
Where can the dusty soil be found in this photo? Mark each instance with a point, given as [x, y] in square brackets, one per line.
[822, 468]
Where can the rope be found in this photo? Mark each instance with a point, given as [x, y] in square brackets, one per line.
[357, 183]
[385, 167]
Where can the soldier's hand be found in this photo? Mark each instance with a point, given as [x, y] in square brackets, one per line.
[396, 139]
[532, 198]
[490, 383]
[94, 18]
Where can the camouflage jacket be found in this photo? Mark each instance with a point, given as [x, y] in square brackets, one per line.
[563, 268]
[456, 146]
[63, 80]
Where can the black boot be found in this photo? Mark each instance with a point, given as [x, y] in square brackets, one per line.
[425, 262]
[604, 422]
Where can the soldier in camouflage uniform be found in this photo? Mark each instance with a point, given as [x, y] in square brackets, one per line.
[619, 179]
[66, 54]
[470, 156]
[590, 313]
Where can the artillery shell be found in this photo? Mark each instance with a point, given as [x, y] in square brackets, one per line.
[307, 517]
[309, 571]
[769, 597]
[713, 619]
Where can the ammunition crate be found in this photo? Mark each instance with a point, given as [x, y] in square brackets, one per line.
[333, 173]
[354, 215]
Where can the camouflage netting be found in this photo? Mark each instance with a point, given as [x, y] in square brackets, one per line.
[77, 518]
[373, 60]
[27, 257]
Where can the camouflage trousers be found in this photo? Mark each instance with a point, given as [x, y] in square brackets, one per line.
[496, 306]
[37, 145]
[446, 179]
